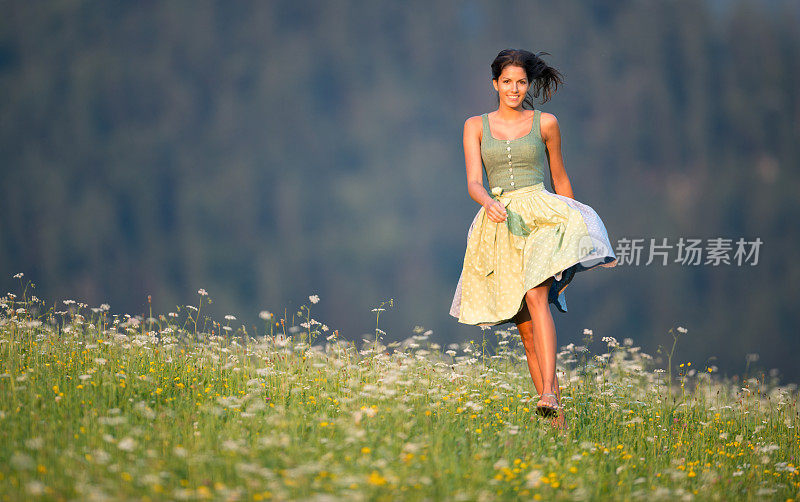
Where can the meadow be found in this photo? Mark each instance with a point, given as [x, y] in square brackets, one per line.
[178, 406]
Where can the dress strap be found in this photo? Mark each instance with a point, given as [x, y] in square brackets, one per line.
[537, 115]
[487, 134]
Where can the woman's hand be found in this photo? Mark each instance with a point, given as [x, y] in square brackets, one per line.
[496, 211]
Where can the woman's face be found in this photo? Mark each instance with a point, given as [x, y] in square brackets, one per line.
[511, 86]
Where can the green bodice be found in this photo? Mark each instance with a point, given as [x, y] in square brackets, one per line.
[514, 163]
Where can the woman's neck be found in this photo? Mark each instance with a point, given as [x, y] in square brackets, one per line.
[507, 114]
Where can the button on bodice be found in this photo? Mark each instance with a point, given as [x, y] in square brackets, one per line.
[513, 163]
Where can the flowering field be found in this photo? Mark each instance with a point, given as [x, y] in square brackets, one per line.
[100, 406]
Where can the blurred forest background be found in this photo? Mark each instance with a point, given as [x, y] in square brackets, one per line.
[268, 151]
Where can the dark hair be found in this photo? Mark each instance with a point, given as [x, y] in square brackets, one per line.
[543, 78]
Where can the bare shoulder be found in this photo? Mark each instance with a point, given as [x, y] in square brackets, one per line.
[473, 126]
[548, 125]
[473, 122]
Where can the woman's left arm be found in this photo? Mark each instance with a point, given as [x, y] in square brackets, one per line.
[551, 135]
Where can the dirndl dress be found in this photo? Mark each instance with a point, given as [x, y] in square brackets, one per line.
[545, 235]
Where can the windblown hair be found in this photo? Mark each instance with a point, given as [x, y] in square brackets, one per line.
[543, 78]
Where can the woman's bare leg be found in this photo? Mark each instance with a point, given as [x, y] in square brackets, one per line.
[525, 327]
[544, 336]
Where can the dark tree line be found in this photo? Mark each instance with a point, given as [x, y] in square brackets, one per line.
[267, 151]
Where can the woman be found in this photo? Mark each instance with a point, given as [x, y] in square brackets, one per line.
[525, 244]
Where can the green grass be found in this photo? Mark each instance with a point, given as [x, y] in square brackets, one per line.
[97, 406]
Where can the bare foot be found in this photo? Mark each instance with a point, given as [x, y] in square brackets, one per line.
[547, 405]
[559, 422]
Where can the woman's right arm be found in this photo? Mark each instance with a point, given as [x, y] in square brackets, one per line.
[495, 211]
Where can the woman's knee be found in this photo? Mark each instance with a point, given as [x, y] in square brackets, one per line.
[536, 298]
